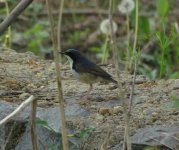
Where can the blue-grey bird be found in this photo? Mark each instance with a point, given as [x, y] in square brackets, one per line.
[85, 70]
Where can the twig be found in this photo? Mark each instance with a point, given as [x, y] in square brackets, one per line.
[113, 43]
[8, 36]
[104, 146]
[14, 14]
[17, 110]
[33, 125]
[136, 27]
[128, 40]
[57, 66]
[115, 58]
[81, 11]
[127, 114]
[127, 140]
[133, 86]
[9, 136]
[59, 26]
[94, 11]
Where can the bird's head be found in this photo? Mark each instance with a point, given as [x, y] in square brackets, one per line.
[72, 54]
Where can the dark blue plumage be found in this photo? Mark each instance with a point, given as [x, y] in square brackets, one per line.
[83, 65]
[85, 70]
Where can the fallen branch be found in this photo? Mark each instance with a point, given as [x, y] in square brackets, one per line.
[17, 110]
[14, 14]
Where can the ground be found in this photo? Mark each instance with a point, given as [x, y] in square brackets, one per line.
[23, 74]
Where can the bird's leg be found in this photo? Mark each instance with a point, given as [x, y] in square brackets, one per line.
[85, 97]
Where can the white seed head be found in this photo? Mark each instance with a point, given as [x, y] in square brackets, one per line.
[126, 6]
[105, 27]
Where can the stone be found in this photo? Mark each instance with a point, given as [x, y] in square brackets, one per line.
[50, 115]
[162, 137]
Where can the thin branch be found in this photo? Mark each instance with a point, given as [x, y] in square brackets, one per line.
[59, 25]
[9, 136]
[127, 140]
[33, 125]
[58, 72]
[81, 11]
[104, 146]
[8, 36]
[113, 43]
[22, 5]
[96, 11]
[17, 110]
[136, 26]
[133, 86]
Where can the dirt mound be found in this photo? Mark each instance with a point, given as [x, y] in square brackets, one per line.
[22, 74]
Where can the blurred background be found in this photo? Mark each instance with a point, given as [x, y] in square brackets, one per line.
[83, 28]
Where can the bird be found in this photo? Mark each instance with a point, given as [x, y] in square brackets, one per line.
[85, 70]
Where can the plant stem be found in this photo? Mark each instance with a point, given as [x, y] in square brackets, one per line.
[113, 44]
[33, 125]
[133, 86]
[56, 44]
[59, 25]
[105, 51]
[115, 58]
[128, 39]
[7, 42]
[136, 26]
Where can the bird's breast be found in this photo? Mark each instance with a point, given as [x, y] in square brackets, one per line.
[85, 77]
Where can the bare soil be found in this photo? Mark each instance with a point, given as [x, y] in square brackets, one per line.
[23, 74]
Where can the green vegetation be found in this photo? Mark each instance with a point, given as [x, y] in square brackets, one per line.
[157, 35]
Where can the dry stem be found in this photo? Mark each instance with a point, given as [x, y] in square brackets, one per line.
[33, 125]
[17, 110]
[58, 72]
[104, 146]
[133, 86]
[115, 58]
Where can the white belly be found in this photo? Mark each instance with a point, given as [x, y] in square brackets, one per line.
[83, 77]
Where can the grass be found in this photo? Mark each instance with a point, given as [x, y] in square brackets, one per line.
[164, 54]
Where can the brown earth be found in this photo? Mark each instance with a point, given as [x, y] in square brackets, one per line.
[22, 74]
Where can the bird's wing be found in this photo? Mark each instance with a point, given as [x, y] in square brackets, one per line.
[92, 68]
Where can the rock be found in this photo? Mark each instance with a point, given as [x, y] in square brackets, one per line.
[21, 134]
[157, 136]
[47, 139]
